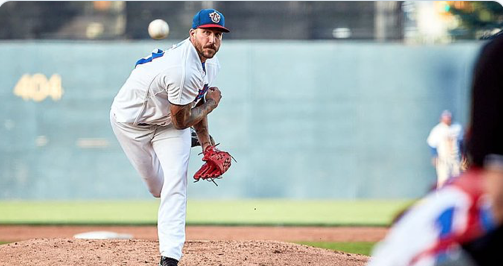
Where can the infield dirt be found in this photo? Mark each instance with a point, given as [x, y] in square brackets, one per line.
[247, 246]
[61, 251]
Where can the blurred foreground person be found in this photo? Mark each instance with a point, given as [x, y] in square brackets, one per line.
[461, 223]
[485, 146]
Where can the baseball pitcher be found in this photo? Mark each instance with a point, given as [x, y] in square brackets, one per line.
[166, 94]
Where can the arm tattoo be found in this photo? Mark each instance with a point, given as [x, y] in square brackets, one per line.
[185, 116]
[203, 133]
[202, 126]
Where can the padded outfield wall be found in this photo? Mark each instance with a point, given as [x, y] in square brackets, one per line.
[305, 120]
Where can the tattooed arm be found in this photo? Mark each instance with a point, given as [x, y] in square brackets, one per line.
[185, 116]
[203, 133]
[202, 130]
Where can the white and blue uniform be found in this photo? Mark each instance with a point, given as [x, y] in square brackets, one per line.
[430, 233]
[445, 142]
[141, 120]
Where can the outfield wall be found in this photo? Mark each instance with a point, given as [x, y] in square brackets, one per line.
[304, 120]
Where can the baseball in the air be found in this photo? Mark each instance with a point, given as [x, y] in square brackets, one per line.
[158, 29]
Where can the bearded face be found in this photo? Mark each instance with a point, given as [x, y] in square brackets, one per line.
[206, 41]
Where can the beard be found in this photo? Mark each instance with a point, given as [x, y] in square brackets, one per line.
[207, 52]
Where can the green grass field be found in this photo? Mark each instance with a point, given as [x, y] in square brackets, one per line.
[232, 213]
[363, 248]
[228, 212]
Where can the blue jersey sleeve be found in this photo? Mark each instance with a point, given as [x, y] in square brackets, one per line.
[434, 152]
[155, 54]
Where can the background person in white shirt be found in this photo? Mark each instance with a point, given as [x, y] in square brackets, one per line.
[166, 94]
[445, 141]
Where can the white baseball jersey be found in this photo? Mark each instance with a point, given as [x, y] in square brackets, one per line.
[446, 140]
[174, 76]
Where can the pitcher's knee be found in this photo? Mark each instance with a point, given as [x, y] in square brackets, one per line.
[154, 190]
[156, 193]
[153, 184]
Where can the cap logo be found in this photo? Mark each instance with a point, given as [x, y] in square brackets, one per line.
[215, 17]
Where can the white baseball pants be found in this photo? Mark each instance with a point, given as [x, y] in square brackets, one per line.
[447, 170]
[161, 154]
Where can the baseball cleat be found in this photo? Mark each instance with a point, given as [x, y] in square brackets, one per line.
[165, 261]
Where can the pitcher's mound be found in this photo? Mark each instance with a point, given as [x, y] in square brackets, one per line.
[57, 252]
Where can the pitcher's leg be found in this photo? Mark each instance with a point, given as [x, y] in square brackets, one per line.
[173, 150]
[135, 141]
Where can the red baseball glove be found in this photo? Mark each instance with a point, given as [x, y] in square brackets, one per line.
[217, 162]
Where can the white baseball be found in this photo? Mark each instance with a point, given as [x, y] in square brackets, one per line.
[158, 29]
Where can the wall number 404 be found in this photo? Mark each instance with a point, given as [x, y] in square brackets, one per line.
[37, 87]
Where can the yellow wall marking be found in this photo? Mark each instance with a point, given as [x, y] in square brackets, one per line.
[37, 87]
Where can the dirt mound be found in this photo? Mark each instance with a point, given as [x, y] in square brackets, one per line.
[13, 233]
[58, 252]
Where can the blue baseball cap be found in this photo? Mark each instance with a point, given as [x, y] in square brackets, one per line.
[446, 113]
[209, 18]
